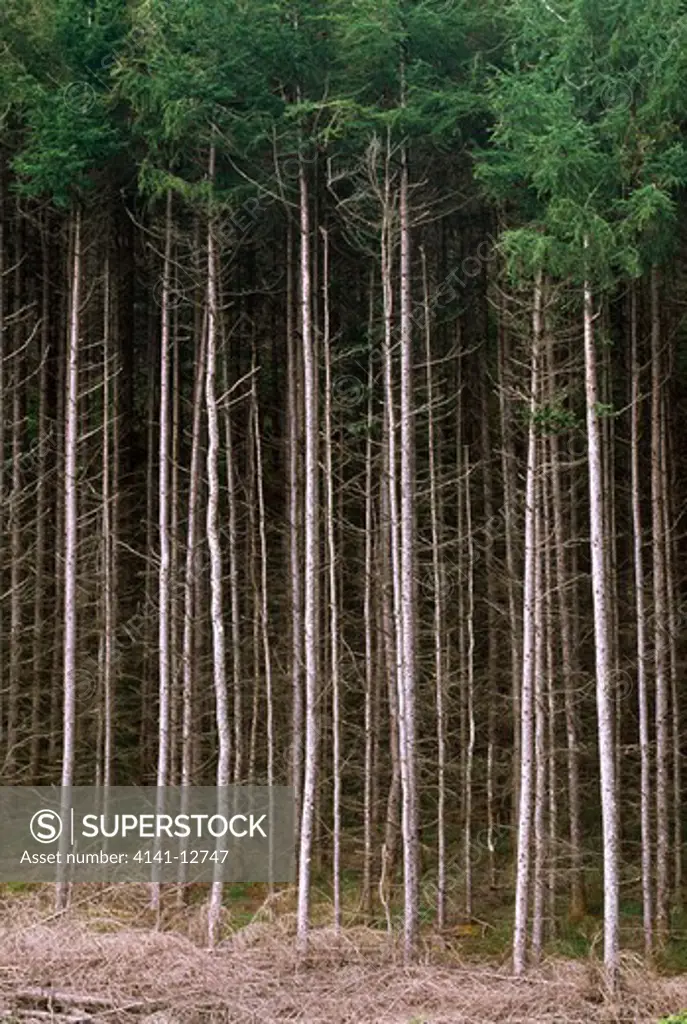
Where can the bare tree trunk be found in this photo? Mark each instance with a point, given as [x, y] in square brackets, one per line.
[41, 511]
[164, 588]
[660, 645]
[577, 894]
[491, 600]
[215, 550]
[57, 667]
[370, 730]
[14, 717]
[389, 661]
[148, 601]
[407, 720]
[551, 698]
[264, 591]
[508, 470]
[528, 662]
[174, 679]
[640, 606]
[604, 689]
[294, 527]
[671, 618]
[539, 879]
[391, 598]
[470, 623]
[333, 591]
[191, 587]
[107, 539]
[438, 582]
[3, 399]
[70, 537]
[252, 556]
[236, 659]
[310, 619]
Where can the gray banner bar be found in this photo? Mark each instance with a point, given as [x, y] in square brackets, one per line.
[133, 834]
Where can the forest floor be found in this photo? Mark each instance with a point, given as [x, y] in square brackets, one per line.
[102, 963]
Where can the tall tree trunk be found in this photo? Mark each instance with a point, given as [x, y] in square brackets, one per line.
[3, 399]
[174, 677]
[164, 589]
[470, 687]
[539, 877]
[577, 893]
[370, 764]
[236, 658]
[16, 526]
[438, 584]
[191, 585]
[219, 669]
[311, 539]
[407, 730]
[294, 527]
[671, 620]
[108, 556]
[640, 612]
[525, 788]
[660, 631]
[508, 471]
[70, 537]
[604, 689]
[333, 589]
[41, 511]
[264, 592]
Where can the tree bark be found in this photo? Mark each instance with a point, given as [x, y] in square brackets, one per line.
[604, 689]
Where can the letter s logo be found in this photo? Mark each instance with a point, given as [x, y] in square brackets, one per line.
[46, 826]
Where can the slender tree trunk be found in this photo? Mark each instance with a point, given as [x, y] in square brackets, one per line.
[333, 591]
[215, 551]
[252, 556]
[604, 689]
[107, 540]
[370, 730]
[146, 725]
[174, 678]
[525, 788]
[310, 617]
[640, 607]
[389, 661]
[407, 577]
[577, 894]
[508, 471]
[41, 511]
[551, 702]
[3, 498]
[660, 631]
[57, 668]
[671, 619]
[164, 588]
[70, 537]
[438, 582]
[264, 593]
[491, 601]
[539, 878]
[191, 586]
[236, 659]
[16, 525]
[392, 619]
[471, 725]
[294, 528]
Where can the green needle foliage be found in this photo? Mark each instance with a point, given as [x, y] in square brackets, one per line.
[60, 88]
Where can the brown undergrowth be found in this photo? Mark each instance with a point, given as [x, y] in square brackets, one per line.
[116, 967]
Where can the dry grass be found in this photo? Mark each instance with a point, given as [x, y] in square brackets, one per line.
[254, 977]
